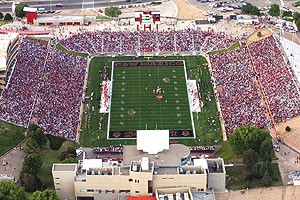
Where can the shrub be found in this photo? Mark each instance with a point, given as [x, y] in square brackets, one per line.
[55, 142]
[288, 129]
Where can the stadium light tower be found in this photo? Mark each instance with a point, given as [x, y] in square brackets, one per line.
[281, 12]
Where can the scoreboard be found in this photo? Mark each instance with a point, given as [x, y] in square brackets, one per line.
[147, 17]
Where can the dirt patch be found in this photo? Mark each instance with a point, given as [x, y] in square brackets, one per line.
[271, 193]
[187, 11]
[291, 138]
[253, 37]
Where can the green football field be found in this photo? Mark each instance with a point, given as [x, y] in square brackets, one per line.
[91, 133]
[134, 103]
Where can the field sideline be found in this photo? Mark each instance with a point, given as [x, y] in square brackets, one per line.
[206, 133]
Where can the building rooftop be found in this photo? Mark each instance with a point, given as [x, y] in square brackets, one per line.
[215, 165]
[64, 167]
[167, 157]
[165, 170]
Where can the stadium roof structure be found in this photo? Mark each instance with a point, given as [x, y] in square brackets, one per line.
[152, 141]
[29, 9]
[5, 41]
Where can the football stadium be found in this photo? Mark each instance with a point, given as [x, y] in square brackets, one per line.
[148, 104]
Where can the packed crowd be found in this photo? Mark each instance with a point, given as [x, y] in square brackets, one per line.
[137, 42]
[194, 94]
[254, 84]
[46, 88]
[201, 148]
[276, 79]
[110, 149]
[237, 90]
[18, 98]
[60, 94]
[104, 90]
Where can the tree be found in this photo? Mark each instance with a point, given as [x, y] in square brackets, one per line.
[32, 163]
[32, 127]
[70, 160]
[250, 9]
[250, 158]
[298, 24]
[17, 194]
[274, 10]
[267, 180]
[38, 136]
[31, 146]
[259, 34]
[19, 10]
[1, 15]
[296, 16]
[267, 167]
[10, 191]
[30, 182]
[287, 128]
[71, 152]
[247, 137]
[44, 195]
[257, 170]
[266, 150]
[113, 11]
[8, 17]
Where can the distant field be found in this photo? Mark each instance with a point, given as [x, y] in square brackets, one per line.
[91, 135]
[10, 136]
[135, 105]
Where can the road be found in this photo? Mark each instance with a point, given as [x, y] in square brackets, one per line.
[68, 4]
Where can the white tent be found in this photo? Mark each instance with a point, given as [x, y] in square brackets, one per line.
[152, 141]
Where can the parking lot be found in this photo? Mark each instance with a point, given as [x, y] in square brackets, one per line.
[212, 7]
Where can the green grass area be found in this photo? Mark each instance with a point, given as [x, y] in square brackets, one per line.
[237, 178]
[103, 18]
[62, 48]
[49, 157]
[133, 90]
[92, 136]
[227, 153]
[2, 22]
[232, 47]
[10, 136]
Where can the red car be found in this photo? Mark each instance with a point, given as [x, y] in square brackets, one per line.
[59, 5]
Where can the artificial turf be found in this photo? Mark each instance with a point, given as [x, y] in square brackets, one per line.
[135, 105]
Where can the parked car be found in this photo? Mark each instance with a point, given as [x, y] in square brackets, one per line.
[59, 5]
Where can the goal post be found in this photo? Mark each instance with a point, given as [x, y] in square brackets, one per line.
[148, 55]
